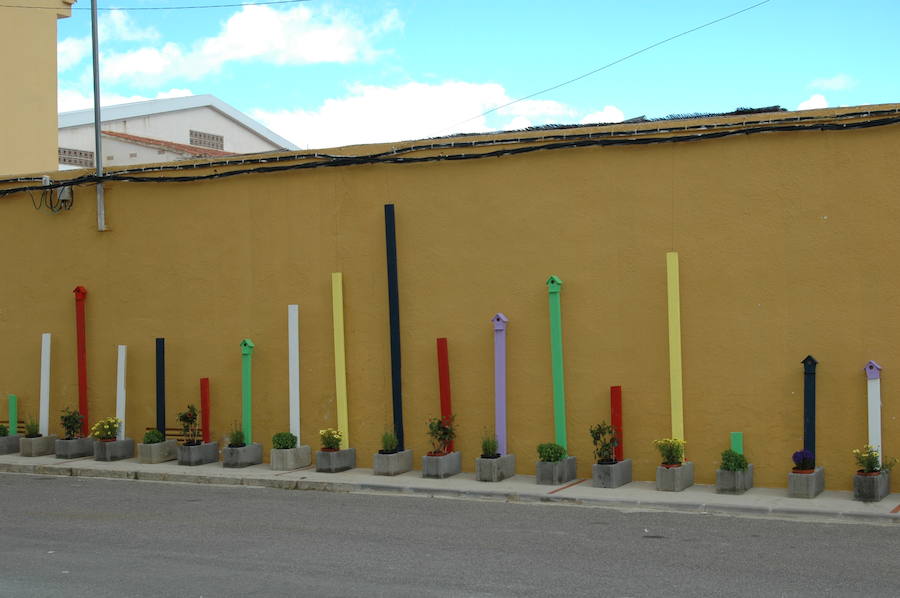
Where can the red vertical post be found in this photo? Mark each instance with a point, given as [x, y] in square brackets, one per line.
[204, 408]
[80, 294]
[615, 414]
[444, 380]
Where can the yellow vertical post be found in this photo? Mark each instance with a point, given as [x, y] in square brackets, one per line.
[674, 302]
[340, 361]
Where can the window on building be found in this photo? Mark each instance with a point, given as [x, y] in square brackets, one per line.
[209, 140]
[74, 157]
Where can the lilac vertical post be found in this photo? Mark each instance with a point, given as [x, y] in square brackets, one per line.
[500, 322]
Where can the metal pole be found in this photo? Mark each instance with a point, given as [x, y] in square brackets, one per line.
[98, 152]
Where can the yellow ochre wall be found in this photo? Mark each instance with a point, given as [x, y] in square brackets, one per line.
[787, 241]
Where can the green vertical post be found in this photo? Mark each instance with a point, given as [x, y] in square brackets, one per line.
[246, 389]
[554, 286]
[13, 412]
[737, 442]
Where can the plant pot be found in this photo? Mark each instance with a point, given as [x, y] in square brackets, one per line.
[806, 485]
[551, 473]
[242, 456]
[675, 479]
[441, 466]
[72, 448]
[292, 458]
[611, 475]
[335, 461]
[734, 482]
[495, 469]
[393, 463]
[158, 452]
[198, 454]
[9, 444]
[871, 488]
[37, 447]
[114, 450]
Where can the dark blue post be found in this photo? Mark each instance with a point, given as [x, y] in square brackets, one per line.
[809, 404]
[161, 385]
[390, 240]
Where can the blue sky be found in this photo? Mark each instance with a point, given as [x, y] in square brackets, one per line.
[326, 73]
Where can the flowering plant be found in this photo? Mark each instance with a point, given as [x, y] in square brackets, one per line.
[190, 425]
[331, 438]
[71, 423]
[106, 429]
[442, 433]
[870, 461]
[671, 450]
[804, 460]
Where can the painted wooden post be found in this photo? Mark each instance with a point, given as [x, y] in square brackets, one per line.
[44, 413]
[500, 322]
[81, 341]
[737, 442]
[340, 359]
[12, 411]
[674, 309]
[390, 238]
[873, 384]
[247, 389]
[443, 358]
[120, 390]
[809, 403]
[554, 286]
[615, 415]
[161, 385]
[204, 409]
[294, 370]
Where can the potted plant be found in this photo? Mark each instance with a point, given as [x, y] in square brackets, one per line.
[673, 475]
[238, 453]
[492, 466]
[193, 451]
[286, 455]
[735, 475]
[872, 481]
[607, 472]
[805, 480]
[73, 445]
[440, 462]
[389, 460]
[9, 443]
[107, 447]
[553, 466]
[35, 444]
[331, 458]
[156, 449]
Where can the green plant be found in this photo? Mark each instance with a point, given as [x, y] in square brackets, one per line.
[236, 437]
[284, 440]
[32, 429]
[442, 432]
[733, 461]
[605, 442]
[71, 423]
[551, 452]
[389, 443]
[671, 450]
[190, 424]
[870, 461]
[106, 429]
[4, 430]
[331, 438]
[489, 445]
[153, 436]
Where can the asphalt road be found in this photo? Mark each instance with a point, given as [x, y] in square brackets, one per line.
[64, 536]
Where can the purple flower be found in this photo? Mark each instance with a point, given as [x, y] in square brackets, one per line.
[804, 460]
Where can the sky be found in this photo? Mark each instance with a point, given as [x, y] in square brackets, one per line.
[325, 73]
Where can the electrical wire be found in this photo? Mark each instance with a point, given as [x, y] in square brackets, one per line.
[135, 8]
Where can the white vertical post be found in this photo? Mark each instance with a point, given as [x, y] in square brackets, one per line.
[44, 413]
[873, 376]
[294, 370]
[120, 390]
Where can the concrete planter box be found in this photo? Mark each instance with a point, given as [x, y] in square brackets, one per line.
[242, 456]
[443, 466]
[495, 470]
[74, 447]
[734, 482]
[158, 452]
[675, 479]
[611, 475]
[9, 444]
[37, 447]
[871, 488]
[393, 464]
[335, 461]
[115, 450]
[292, 458]
[198, 454]
[806, 485]
[551, 473]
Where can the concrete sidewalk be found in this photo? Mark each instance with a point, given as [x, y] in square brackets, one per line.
[770, 502]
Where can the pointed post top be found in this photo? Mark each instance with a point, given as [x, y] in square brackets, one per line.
[500, 320]
[809, 364]
[247, 347]
[554, 284]
[80, 293]
[873, 371]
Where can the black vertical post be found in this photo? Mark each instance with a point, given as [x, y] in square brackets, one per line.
[390, 240]
[809, 404]
[161, 385]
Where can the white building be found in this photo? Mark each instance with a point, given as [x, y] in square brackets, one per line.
[163, 131]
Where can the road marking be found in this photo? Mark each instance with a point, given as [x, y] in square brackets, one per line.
[896, 509]
[575, 483]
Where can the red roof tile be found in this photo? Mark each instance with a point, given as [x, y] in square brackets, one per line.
[192, 150]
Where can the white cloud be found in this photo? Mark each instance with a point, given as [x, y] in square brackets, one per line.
[519, 122]
[816, 100]
[609, 114]
[69, 99]
[118, 25]
[71, 51]
[838, 82]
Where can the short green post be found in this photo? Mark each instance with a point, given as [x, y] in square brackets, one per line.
[554, 286]
[246, 389]
[13, 411]
[737, 442]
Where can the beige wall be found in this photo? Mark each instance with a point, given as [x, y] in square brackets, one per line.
[787, 243]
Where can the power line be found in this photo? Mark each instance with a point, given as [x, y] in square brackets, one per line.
[134, 8]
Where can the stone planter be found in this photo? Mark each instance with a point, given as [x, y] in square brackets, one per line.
[198, 454]
[442, 466]
[871, 488]
[37, 447]
[115, 450]
[611, 475]
[9, 444]
[734, 482]
[158, 452]
[72, 448]
[392, 464]
[292, 458]
[495, 470]
[675, 479]
[552, 473]
[335, 461]
[806, 485]
[242, 456]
